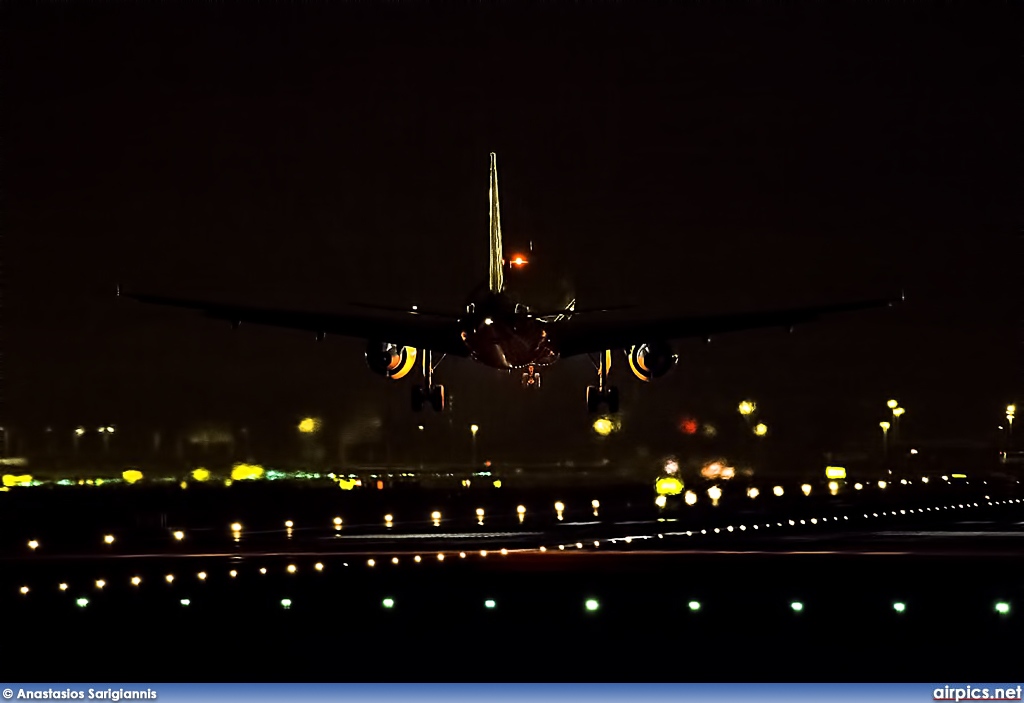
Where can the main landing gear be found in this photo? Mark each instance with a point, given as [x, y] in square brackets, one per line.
[602, 393]
[428, 392]
[531, 379]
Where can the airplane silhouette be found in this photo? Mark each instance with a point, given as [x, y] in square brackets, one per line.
[499, 332]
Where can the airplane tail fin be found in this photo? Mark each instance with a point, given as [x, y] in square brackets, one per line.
[496, 280]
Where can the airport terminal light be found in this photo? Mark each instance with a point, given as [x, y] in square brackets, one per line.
[136, 580]
[33, 544]
[752, 492]
[109, 539]
[761, 430]
[747, 407]
[63, 587]
[778, 491]
[100, 584]
[23, 590]
[806, 488]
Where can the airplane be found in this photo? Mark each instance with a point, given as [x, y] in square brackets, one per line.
[496, 330]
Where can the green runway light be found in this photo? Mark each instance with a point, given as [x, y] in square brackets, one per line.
[899, 607]
[286, 603]
[592, 605]
[694, 606]
[1002, 608]
[82, 602]
[185, 601]
[797, 606]
[388, 603]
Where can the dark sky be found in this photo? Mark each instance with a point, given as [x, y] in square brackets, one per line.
[687, 159]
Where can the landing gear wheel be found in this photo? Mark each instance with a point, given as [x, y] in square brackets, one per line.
[531, 379]
[417, 398]
[437, 398]
[611, 397]
[596, 398]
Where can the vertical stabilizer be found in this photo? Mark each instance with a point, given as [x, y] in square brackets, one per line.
[496, 281]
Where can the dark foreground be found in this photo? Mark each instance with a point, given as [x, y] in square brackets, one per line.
[440, 628]
[669, 607]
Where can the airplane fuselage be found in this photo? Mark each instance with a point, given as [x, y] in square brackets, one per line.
[503, 335]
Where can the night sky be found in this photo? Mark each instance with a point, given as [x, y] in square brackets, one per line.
[687, 159]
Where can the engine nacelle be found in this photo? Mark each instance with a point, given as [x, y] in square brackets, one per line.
[648, 361]
[390, 360]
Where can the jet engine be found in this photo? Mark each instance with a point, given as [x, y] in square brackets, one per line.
[648, 361]
[390, 360]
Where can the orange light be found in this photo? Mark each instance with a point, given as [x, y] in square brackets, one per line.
[519, 260]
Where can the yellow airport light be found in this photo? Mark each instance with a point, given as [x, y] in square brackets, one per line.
[747, 407]
[835, 472]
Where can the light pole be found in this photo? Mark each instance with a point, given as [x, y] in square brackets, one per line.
[106, 432]
[419, 444]
[885, 440]
[897, 413]
[473, 429]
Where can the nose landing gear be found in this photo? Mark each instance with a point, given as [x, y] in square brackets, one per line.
[531, 379]
[602, 393]
[428, 392]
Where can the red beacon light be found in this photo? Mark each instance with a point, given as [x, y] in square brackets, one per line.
[518, 260]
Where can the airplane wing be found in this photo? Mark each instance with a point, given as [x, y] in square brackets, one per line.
[592, 334]
[439, 334]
